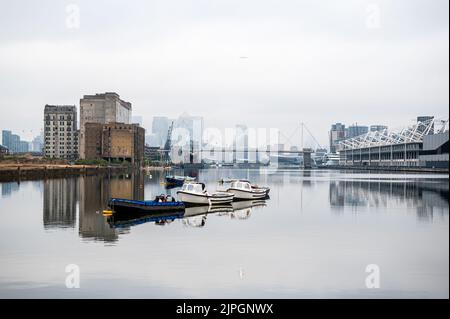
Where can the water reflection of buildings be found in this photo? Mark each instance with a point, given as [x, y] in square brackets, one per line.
[9, 188]
[60, 202]
[86, 197]
[91, 195]
[94, 195]
[428, 197]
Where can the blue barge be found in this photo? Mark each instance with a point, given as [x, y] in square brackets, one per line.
[136, 206]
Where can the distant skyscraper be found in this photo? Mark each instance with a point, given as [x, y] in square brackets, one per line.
[378, 128]
[37, 145]
[241, 143]
[6, 139]
[152, 140]
[14, 143]
[356, 130]
[337, 134]
[60, 129]
[160, 127]
[24, 147]
[194, 127]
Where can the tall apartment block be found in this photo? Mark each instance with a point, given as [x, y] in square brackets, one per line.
[337, 133]
[102, 109]
[60, 132]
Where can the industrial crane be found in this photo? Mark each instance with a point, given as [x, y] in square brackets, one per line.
[168, 144]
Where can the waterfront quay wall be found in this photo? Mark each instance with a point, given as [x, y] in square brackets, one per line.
[12, 172]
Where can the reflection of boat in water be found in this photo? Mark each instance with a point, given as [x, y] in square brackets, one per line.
[196, 194]
[160, 204]
[191, 211]
[195, 216]
[192, 216]
[243, 204]
[126, 219]
[243, 209]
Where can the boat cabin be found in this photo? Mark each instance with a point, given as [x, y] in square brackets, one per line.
[241, 185]
[194, 187]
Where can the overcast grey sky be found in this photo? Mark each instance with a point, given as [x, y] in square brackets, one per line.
[312, 61]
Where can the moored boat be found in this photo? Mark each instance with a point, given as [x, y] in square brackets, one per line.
[161, 203]
[253, 186]
[243, 189]
[196, 194]
[178, 180]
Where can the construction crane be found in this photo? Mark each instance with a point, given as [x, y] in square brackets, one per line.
[168, 144]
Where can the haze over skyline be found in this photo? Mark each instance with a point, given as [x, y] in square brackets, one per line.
[261, 63]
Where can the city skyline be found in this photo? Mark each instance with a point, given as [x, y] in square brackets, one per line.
[171, 57]
[204, 150]
[290, 140]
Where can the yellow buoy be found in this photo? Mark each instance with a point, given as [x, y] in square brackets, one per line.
[107, 212]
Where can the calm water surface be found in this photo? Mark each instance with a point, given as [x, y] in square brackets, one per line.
[313, 238]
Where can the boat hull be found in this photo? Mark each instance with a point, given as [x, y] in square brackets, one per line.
[240, 194]
[124, 205]
[266, 189]
[204, 199]
[193, 198]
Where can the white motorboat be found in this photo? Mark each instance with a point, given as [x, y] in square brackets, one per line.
[195, 193]
[253, 186]
[243, 189]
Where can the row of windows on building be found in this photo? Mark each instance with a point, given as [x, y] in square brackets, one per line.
[61, 144]
[61, 137]
[382, 156]
[60, 118]
[55, 128]
[55, 133]
[61, 121]
[388, 148]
